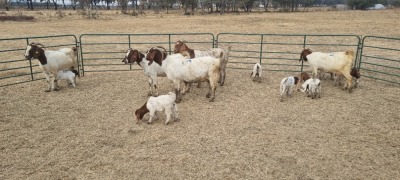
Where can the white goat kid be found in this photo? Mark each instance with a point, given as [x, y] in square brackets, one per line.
[52, 61]
[312, 87]
[69, 75]
[256, 73]
[287, 85]
[156, 104]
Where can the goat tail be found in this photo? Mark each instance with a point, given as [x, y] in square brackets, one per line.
[350, 53]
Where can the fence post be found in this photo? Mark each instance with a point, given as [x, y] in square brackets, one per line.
[261, 48]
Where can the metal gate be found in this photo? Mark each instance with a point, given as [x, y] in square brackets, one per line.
[104, 52]
[281, 52]
[15, 69]
[380, 58]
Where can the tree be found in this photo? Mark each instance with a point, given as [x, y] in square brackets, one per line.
[361, 4]
[124, 6]
[395, 3]
[30, 4]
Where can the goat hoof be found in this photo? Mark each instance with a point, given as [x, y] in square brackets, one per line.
[47, 90]
[350, 90]
[208, 95]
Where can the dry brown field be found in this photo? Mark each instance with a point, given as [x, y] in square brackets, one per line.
[89, 132]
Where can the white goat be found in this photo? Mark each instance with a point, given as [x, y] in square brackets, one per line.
[69, 75]
[256, 73]
[180, 69]
[312, 87]
[287, 85]
[161, 103]
[152, 71]
[52, 61]
[223, 55]
[335, 62]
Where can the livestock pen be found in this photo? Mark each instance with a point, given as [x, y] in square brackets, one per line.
[89, 132]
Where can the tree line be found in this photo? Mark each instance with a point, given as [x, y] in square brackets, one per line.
[190, 6]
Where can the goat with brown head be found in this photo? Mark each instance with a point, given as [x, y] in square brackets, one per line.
[181, 47]
[156, 54]
[132, 56]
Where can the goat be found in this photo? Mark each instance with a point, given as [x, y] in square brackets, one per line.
[161, 103]
[150, 70]
[339, 62]
[287, 84]
[69, 75]
[52, 61]
[312, 87]
[180, 69]
[158, 54]
[181, 47]
[304, 76]
[256, 73]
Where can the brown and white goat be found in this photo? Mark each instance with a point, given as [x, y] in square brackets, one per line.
[287, 85]
[151, 70]
[156, 54]
[161, 103]
[52, 61]
[337, 62]
[223, 55]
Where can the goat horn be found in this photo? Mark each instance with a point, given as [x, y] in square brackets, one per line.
[39, 44]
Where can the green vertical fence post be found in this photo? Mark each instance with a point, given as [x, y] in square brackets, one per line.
[261, 47]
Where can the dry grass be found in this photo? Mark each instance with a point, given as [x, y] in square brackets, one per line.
[90, 133]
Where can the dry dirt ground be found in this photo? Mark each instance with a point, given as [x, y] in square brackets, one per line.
[89, 132]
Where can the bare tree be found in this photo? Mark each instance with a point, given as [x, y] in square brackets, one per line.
[124, 6]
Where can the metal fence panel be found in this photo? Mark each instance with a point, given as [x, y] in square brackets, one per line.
[281, 52]
[104, 52]
[14, 69]
[380, 58]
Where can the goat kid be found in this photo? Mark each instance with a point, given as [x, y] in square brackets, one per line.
[287, 85]
[69, 75]
[355, 73]
[157, 104]
[52, 61]
[256, 73]
[312, 87]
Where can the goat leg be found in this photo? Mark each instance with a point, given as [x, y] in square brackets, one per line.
[47, 75]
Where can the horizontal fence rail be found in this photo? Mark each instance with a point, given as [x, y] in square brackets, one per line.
[380, 58]
[15, 69]
[281, 52]
[105, 52]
